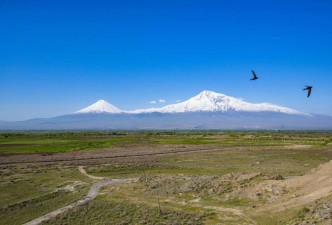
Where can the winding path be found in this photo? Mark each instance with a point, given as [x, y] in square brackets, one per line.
[82, 170]
[93, 192]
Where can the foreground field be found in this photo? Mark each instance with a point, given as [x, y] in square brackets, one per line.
[184, 177]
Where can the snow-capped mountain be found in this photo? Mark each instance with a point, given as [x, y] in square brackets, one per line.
[208, 110]
[100, 106]
[209, 101]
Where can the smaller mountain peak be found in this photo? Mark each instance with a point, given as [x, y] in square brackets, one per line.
[102, 102]
[101, 106]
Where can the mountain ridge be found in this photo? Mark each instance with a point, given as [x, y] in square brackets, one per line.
[176, 121]
[209, 101]
[205, 101]
[205, 111]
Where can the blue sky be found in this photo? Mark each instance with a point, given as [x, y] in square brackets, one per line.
[60, 56]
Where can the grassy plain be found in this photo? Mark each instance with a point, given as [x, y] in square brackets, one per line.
[219, 185]
[50, 142]
[30, 191]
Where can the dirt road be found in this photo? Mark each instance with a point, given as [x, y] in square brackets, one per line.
[82, 170]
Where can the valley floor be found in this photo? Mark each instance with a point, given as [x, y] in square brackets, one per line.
[182, 178]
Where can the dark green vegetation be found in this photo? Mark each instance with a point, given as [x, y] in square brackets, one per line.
[220, 184]
[62, 142]
[48, 142]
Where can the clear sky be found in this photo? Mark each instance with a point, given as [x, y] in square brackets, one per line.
[59, 56]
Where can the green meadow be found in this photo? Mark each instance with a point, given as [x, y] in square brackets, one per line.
[48, 142]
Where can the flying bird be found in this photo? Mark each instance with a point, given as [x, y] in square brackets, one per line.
[308, 88]
[254, 76]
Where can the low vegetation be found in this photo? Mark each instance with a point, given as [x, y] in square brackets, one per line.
[50, 142]
[113, 212]
[27, 192]
[234, 179]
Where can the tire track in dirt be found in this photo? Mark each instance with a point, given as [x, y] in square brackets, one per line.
[82, 170]
[115, 156]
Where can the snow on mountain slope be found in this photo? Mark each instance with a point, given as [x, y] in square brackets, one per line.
[208, 101]
[100, 106]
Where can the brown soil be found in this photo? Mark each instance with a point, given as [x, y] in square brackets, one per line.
[109, 155]
[297, 191]
[15, 145]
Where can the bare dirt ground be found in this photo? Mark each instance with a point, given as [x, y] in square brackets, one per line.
[105, 155]
[109, 155]
[274, 196]
[82, 170]
[297, 191]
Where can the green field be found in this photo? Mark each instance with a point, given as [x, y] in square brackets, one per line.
[220, 185]
[48, 142]
[61, 142]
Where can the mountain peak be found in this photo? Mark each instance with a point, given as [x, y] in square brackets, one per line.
[101, 106]
[209, 94]
[205, 101]
[209, 101]
[102, 101]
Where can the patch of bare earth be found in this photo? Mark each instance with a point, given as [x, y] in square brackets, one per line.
[295, 192]
[267, 194]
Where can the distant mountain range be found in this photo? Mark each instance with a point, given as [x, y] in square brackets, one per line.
[207, 110]
[206, 101]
